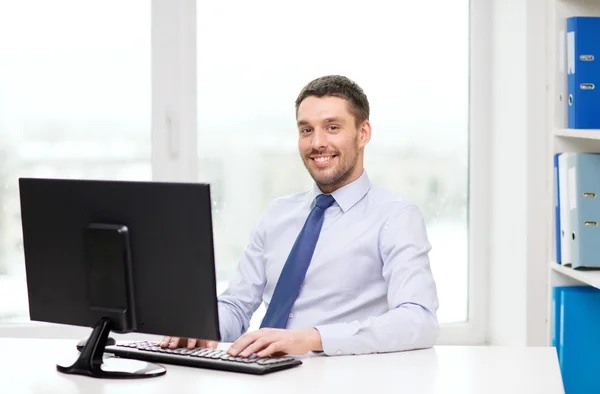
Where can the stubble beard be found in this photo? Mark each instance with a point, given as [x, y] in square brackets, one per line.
[339, 174]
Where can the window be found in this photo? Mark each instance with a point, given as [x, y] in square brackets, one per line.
[412, 63]
[74, 103]
[84, 91]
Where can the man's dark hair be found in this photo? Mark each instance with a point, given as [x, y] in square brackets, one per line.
[338, 86]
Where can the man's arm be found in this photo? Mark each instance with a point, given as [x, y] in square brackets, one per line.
[243, 296]
[411, 322]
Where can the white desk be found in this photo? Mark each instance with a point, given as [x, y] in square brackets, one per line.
[29, 366]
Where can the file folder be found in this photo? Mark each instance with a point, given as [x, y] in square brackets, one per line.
[583, 72]
[584, 200]
[564, 208]
[579, 342]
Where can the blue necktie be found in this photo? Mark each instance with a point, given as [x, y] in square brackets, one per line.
[294, 270]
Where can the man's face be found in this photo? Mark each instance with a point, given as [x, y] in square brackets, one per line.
[330, 142]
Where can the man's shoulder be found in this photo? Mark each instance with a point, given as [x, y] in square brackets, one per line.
[286, 203]
[396, 209]
[290, 199]
[389, 199]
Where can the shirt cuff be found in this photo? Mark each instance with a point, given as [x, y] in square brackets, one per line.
[336, 338]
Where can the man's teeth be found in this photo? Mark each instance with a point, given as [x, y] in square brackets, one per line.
[323, 159]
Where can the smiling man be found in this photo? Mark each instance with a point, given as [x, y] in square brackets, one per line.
[343, 268]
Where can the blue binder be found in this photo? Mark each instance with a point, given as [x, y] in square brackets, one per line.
[584, 201]
[557, 234]
[579, 342]
[557, 307]
[583, 72]
[555, 317]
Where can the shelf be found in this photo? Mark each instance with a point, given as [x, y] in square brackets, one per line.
[589, 277]
[589, 134]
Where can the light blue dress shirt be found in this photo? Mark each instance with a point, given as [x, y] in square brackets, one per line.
[369, 287]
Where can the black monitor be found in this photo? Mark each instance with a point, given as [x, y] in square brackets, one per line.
[119, 256]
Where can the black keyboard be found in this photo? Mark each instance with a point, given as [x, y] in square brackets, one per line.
[201, 358]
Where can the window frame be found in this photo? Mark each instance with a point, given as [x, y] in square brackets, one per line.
[175, 153]
[474, 330]
[173, 127]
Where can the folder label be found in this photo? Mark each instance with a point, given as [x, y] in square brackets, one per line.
[572, 189]
[571, 52]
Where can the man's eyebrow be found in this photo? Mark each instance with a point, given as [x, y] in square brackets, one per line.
[333, 119]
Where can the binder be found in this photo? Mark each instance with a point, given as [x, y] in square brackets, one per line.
[555, 318]
[583, 72]
[584, 200]
[557, 234]
[579, 342]
[564, 208]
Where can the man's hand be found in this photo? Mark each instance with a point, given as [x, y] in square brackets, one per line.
[175, 342]
[271, 341]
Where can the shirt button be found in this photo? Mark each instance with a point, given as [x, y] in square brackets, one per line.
[291, 315]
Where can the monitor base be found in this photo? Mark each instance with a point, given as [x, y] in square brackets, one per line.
[91, 361]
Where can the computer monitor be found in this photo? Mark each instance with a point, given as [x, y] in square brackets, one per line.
[119, 256]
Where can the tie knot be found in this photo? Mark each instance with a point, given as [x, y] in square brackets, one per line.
[324, 201]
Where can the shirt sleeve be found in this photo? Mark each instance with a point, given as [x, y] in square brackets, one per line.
[411, 322]
[243, 296]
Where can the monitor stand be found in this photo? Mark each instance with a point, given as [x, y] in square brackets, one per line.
[91, 361]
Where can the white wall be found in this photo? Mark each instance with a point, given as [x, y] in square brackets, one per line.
[518, 229]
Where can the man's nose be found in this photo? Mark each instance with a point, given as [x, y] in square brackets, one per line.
[319, 140]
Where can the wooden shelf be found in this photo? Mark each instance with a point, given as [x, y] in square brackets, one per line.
[588, 277]
[589, 134]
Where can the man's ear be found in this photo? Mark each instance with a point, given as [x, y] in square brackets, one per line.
[364, 133]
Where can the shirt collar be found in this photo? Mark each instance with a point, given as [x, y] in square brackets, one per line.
[347, 196]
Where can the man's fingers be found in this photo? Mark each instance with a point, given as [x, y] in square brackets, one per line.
[174, 342]
[273, 348]
[165, 342]
[259, 344]
[212, 344]
[244, 341]
[171, 342]
[240, 344]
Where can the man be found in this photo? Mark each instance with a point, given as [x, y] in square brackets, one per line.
[342, 269]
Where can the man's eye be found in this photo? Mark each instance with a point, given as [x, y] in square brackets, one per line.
[304, 131]
[333, 127]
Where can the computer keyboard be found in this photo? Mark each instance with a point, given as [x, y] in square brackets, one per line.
[202, 358]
